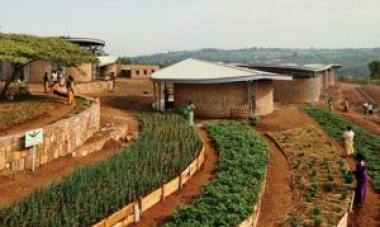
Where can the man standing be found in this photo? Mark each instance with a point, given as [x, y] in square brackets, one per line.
[346, 105]
[46, 82]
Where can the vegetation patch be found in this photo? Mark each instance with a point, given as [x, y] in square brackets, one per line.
[21, 110]
[229, 199]
[366, 143]
[166, 146]
[320, 193]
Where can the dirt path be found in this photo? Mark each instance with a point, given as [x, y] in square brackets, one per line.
[277, 197]
[160, 213]
[290, 118]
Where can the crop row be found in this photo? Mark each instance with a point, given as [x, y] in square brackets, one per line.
[166, 146]
[230, 197]
[366, 143]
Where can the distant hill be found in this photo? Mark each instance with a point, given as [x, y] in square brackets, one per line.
[354, 61]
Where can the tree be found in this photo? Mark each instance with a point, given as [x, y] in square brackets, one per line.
[21, 50]
[374, 68]
[124, 60]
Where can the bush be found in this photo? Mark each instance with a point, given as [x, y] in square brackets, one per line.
[254, 119]
[230, 197]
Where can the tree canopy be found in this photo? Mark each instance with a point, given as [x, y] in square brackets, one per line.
[22, 49]
[374, 68]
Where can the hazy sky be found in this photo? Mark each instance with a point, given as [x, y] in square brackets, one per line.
[135, 27]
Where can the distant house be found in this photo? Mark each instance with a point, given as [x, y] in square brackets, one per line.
[309, 81]
[109, 64]
[217, 90]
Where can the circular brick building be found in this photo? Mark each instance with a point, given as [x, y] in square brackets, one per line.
[217, 90]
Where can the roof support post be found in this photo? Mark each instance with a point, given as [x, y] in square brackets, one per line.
[155, 96]
[159, 96]
[249, 96]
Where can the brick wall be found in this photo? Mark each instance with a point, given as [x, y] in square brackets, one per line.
[137, 71]
[91, 87]
[82, 73]
[60, 139]
[224, 100]
[299, 90]
[37, 69]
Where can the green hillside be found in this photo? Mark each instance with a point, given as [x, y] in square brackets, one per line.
[354, 61]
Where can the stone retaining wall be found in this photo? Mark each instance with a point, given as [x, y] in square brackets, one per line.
[60, 138]
[91, 87]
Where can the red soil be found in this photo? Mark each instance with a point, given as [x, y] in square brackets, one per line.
[160, 213]
[275, 201]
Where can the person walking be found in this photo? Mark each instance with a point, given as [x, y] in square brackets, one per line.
[346, 105]
[70, 90]
[191, 107]
[365, 108]
[46, 82]
[109, 82]
[348, 137]
[361, 176]
[113, 79]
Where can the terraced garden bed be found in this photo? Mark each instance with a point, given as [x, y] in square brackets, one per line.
[320, 179]
[230, 198]
[366, 143]
[166, 146]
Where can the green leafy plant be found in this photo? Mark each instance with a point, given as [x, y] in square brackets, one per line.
[366, 143]
[254, 119]
[230, 197]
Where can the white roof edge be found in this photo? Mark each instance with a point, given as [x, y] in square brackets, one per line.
[250, 75]
[223, 80]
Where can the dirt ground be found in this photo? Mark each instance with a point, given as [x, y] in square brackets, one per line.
[289, 117]
[54, 109]
[160, 213]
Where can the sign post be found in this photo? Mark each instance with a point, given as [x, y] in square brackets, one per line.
[32, 139]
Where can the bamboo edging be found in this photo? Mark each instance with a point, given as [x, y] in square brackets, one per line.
[132, 212]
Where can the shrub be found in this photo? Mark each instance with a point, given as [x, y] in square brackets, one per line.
[254, 119]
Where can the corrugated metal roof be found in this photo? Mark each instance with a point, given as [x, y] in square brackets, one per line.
[291, 66]
[107, 60]
[199, 71]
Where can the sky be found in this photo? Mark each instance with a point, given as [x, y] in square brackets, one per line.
[141, 27]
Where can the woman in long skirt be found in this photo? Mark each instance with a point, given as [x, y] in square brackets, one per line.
[361, 182]
[348, 137]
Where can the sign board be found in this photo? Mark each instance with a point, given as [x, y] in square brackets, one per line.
[34, 137]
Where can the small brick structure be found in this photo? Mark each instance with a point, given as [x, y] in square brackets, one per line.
[131, 71]
[229, 100]
[60, 138]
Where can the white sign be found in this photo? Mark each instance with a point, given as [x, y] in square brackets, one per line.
[34, 137]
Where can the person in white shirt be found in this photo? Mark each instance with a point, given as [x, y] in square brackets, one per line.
[365, 108]
[54, 77]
